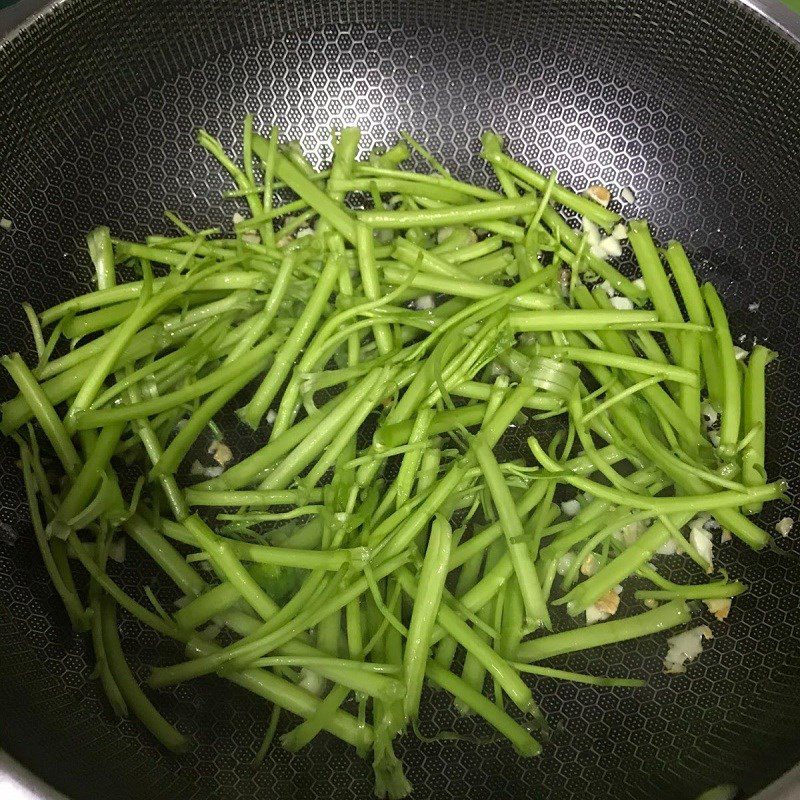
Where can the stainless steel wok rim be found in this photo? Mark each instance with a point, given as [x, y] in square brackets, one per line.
[19, 783]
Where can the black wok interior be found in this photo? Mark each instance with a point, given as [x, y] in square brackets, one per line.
[693, 105]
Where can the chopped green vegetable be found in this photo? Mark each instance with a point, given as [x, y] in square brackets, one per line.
[385, 356]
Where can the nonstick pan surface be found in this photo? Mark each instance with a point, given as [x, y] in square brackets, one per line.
[693, 105]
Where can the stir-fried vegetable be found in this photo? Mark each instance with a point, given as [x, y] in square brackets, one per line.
[381, 330]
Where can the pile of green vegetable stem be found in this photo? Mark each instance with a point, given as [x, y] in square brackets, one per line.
[334, 575]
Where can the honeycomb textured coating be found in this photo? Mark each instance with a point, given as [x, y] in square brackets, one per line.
[692, 105]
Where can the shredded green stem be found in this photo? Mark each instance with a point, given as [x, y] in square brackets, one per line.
[388, 334]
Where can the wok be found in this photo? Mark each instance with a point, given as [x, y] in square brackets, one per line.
[693, 105]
